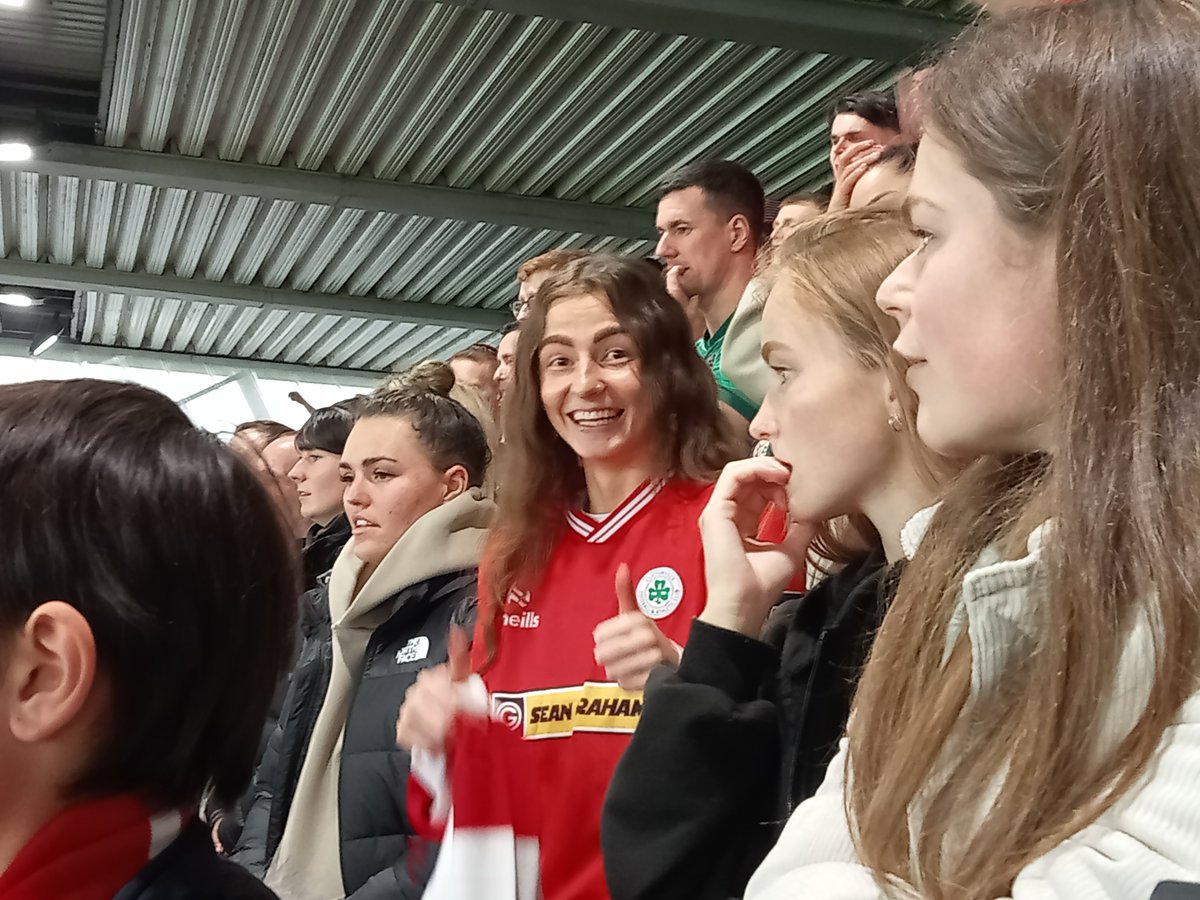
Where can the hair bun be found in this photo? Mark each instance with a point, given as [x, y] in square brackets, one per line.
[433, 377]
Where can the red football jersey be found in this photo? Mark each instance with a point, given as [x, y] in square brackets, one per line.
[546, 685]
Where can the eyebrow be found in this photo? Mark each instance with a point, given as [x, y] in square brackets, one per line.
[368, 462]
[602, 335]
[911, 203]
[674, 223]
[770, 347]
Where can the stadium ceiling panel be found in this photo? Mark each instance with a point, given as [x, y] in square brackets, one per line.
[352, 183]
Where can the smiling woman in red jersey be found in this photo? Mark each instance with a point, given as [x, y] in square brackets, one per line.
[592, 574]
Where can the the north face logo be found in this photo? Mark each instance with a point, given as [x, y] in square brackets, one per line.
[415, 650]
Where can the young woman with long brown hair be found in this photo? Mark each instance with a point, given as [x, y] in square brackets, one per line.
[594, 568]
[1028, 725]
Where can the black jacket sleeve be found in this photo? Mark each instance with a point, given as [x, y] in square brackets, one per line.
[251, 850]
[688, 813]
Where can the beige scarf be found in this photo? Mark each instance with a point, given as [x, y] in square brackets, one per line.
[307, 865]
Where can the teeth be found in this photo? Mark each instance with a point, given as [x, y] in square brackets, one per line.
[361, 523]
[595, 415]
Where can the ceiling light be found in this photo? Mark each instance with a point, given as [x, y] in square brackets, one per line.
[15, 151]
[45, 338]
[15, 4]
[16, 300]
[46, 343]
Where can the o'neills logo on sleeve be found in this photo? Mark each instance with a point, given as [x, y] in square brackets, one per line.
[560, 712]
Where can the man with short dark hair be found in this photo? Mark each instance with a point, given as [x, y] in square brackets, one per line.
[710, 225]
[861, 127]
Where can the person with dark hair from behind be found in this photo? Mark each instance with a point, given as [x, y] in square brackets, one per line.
[134, 674]
[710, 226]
[329, 818]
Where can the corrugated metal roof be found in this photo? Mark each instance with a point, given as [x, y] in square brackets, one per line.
[441, 94]
[405, 90]
[273, 335]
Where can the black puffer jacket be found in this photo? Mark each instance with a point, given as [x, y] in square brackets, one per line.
[380, 856]
[733, 740]
[321, 549]
[189, 869]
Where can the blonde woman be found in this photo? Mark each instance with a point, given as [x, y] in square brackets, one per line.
[743, 731]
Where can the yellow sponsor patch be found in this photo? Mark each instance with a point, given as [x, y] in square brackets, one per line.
[560, 712]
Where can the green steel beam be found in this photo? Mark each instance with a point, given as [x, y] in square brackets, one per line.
[169, 170]
[883, 31]
[21, 273]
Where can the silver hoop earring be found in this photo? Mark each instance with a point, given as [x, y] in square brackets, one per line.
[896, 422]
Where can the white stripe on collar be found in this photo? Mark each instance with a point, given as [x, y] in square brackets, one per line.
[633, 504]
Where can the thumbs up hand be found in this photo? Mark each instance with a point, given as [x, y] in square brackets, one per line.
[630, 645]
[435, 698]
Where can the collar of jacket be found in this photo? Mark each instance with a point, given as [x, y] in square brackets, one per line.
[447, 539]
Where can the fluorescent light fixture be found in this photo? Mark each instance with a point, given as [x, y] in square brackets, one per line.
[44, 344]
[46, 337]
[15, 151]
[16, 300]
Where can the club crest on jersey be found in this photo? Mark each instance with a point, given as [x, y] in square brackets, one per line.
[660, 592]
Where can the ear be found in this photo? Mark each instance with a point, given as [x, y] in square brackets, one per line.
[51, 673]
[456, 481]
[741, 235]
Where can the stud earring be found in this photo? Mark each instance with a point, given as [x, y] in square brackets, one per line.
[896, 422]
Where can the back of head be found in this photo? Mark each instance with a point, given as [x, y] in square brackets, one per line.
[730, 189]
[1081, 121]
[258, 434]
[169, 547]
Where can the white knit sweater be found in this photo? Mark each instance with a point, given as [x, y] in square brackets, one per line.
[1151, 834]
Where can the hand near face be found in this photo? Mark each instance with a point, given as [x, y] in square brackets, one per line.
[854, 165]
[690, 305]
[746, 576]
[630, 645]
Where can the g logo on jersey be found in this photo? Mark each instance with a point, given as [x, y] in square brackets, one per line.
[509, 709]
[659, 592]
